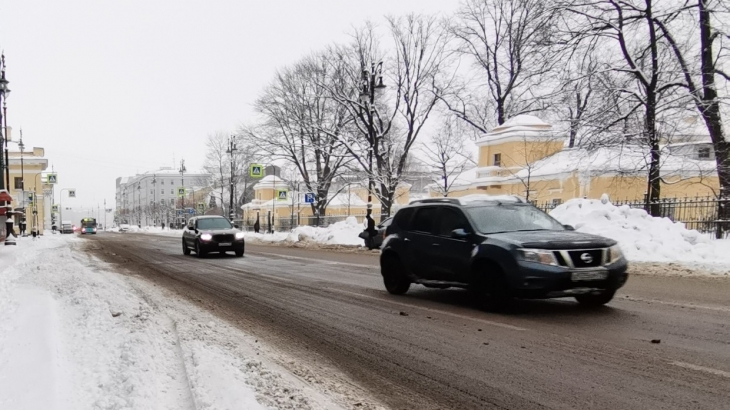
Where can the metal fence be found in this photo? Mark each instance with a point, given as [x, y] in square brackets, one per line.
[699, 213]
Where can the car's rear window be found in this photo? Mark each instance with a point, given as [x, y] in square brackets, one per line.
[402, 218]
[214, 223]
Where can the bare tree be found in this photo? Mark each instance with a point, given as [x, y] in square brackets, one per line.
[447, 154]
[303, 126]
[387, 122]
[630, 28]
[217, 163]
[701, 64]
[509, 43]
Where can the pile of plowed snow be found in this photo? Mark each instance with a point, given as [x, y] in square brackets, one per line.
[641, 236]
[339, 233]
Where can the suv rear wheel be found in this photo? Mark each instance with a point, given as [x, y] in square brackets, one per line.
[599, 299]
[394, 275]
[186, 250]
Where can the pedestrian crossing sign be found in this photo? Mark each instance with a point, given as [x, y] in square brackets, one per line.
[181, 192]
[54, 209]
[281, 195]
[72, 193]
[52, 179]
[201, 206]
[256, 171]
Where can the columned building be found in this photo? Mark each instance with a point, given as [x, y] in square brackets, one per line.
[153, 198]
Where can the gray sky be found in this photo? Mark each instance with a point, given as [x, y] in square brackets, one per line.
[110, 88]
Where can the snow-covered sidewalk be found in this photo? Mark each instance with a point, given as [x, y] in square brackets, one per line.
[75, 335]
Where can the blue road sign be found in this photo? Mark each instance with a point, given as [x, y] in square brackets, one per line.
[309, 198]
[180, 212]
[191, 211]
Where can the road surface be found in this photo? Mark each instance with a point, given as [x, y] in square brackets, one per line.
[664, 342]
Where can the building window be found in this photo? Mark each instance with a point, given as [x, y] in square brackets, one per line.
[497, 160]
[18, 183]
[172, 192]
[172, 201]
[152, 191]
[702, 153]
[162, 191]
[162, 182]
[557, 201]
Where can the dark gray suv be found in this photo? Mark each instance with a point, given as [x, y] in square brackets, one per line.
[501, 247]
[212, 233]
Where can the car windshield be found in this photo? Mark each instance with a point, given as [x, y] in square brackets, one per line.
[214, 223]
[511, 218]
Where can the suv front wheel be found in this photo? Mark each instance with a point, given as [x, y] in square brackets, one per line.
[394, 275]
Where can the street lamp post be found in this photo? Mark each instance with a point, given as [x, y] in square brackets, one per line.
[372, 80]
[4, 91]
[154, 203]
[231, 150]
[64, 189]
[139, 204]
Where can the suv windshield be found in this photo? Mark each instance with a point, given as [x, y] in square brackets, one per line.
[511, 218]
[214, 223]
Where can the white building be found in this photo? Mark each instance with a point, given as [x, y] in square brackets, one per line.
[152, 198]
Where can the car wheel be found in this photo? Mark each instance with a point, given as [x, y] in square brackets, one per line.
[186, 250]
[394, 276]
[239, 252]
[199, 252]
[597, 299]
[490, 287]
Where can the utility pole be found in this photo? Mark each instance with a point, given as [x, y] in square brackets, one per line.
[105, 214]
[4, 91]
[231, 150]
[182, 174]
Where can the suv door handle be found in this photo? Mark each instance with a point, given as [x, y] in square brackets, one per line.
[406, 240]
[436, 244]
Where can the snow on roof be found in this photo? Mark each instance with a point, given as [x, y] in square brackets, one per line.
[467, 199]
[627, 159]
[525, 120]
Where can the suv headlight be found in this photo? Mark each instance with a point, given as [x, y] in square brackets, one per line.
[615, 254]
[239, 235]
[206, 236]
[539, 256]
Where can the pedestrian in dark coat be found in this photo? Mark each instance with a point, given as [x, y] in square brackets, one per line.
[257, 225]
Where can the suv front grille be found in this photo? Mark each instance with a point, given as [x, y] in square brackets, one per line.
[223, 238]
[588, 258]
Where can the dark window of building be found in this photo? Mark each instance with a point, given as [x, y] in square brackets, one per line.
[557, 201]
[18, 183]
[703, 153]
[497, 160]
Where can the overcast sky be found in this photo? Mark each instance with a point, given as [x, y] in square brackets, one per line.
[111, 88]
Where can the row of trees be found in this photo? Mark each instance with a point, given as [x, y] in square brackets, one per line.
[605, 71]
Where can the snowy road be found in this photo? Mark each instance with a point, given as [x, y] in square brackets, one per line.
[327, 319]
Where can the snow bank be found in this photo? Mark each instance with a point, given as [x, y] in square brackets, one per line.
[643, 237]
[339, 233]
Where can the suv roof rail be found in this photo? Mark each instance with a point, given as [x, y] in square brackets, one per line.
[437, 200]
[472, 198]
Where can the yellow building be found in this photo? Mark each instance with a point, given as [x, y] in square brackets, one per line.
[26, 178]
[292, 208]
[525, 157]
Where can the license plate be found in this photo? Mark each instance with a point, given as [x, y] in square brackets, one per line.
[595, 275]
[225, 244]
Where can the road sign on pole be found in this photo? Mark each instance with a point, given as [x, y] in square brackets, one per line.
[309, 198]
[201, 207]
[281, 195]
[181, 192]
[256, 171]
[72, 193]
[52, 179]
[180, 212]
[191, 211]
[54, 209]
[30, 198]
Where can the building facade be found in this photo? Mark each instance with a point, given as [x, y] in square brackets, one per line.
[525, 157]
[155, 197]
[29, 188]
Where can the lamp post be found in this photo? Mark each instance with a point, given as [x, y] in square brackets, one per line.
[64, 189]
[4, 91]
[372, 80]
[154, 203]
[230, 151]
[139, 204]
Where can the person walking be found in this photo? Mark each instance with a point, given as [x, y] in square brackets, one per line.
[257, 225]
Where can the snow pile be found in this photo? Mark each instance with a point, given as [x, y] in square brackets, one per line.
[641, 236]
[339, 233]
[84, 337]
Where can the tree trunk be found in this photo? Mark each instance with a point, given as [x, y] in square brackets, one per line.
[654, 182]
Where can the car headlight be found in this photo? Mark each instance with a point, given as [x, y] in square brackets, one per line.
[539, 256]
[239, 235]
[615, 254]
[206, 236]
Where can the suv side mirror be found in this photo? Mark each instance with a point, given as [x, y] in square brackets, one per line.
[459, 233]
[191, 227]
[569, 227]
[236, 226]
